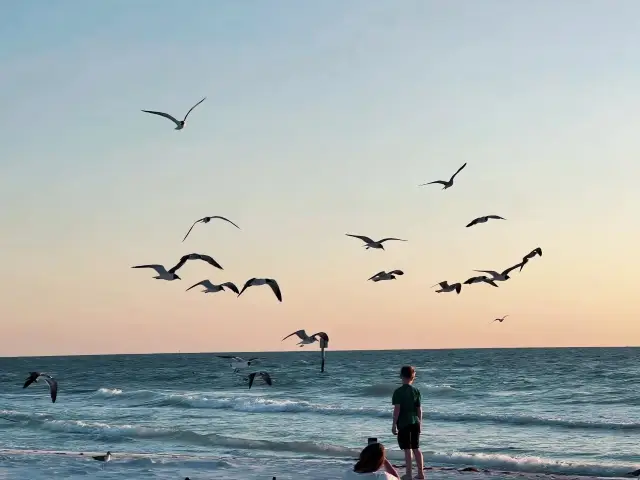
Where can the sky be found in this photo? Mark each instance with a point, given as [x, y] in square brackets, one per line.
[321, 119]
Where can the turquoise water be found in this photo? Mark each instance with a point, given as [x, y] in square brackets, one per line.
[560, 411]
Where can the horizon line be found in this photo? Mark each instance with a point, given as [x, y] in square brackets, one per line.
[336, 350]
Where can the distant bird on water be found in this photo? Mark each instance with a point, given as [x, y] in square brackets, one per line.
[484, 219]
[500, 319]
[238, 362]
[207, 220]
[164, 274]
[369, 243]
[529, 256]
[179, 123]
[447, 184]
[445, 287]
[386, 275]
[480, 279]
[499, 277]
[307, 339]
[103, 458]
[212, 288]
[53, 385]
[252, 282]
[264, 375]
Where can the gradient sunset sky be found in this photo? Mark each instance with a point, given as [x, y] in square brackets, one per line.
[321, 119]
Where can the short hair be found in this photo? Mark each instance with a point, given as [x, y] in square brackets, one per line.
[408, 372]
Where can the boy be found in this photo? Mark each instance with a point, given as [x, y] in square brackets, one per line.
[407, 420]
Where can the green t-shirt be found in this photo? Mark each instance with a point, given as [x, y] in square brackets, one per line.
[408, 397]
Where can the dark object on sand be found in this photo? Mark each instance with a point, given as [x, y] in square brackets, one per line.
[635, 473]
[469, 469]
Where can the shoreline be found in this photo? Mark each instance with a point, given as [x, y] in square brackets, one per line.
[468, 471]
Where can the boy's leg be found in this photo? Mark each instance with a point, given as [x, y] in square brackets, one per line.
[419, 462]
[404, 442]
[415, 447]
[407, 460]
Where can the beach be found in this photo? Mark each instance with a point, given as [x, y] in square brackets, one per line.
[529, 412]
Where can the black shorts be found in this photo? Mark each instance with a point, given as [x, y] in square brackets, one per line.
[409, 437]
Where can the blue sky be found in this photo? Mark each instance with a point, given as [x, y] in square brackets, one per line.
[321, 119]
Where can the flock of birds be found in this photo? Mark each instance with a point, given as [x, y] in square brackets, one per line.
[445, 287]
[238, 363]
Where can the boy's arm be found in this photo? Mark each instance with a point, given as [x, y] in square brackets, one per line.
[396, 411]
[419, 408]
[396, 414]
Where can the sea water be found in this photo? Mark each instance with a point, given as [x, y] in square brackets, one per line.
[534, 411]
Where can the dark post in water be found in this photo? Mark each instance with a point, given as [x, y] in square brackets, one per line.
[323, 344]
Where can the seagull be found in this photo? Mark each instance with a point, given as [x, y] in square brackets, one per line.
[484, 219]
[179, 123]
[386, 275]
[207, 220]
[252, 282]
[499, 277]
[103, 458]
[211, 288]
[238, 362]
[445, 287]
[307, 339]
[500, 319]
[53, 385]
[445, 183]
[169, 275]
[372, 243]
[480, 279]
[529, 256]
[264, 375]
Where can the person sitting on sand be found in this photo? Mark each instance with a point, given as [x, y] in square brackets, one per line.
[407, 420]
[372, 464]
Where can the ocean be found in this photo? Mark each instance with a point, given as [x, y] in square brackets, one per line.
[566, 411]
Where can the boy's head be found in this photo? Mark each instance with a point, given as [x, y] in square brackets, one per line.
[407, 374]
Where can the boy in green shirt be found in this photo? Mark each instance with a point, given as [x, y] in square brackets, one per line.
[407, 420]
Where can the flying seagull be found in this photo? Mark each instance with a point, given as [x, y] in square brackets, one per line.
[445, 287]
[307, 339]
[207, 220]
[238, 362]
[529, 256]
[447, 184]
[264, 375]
[368, 243]
[179, 123]
[500, 319]
[386, 275]
[484, 219]
[169, 275]
[53, 385]
[480, 279]
[211, 288]
[252, 282]
[499, 277]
